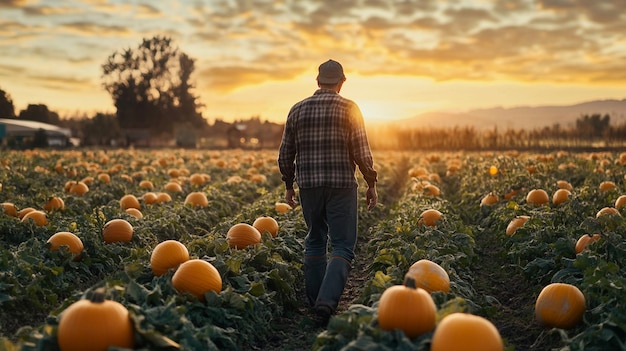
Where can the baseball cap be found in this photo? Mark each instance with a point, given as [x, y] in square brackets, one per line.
[330, 72]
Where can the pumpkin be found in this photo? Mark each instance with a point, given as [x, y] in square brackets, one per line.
[467, 332]
[429, 217]
[134, 212]
[432, 190]
[197, 277]
[489, 200]
[95, 324]
[196, 199]
[146, 184]
[173, 187]
[117, 230]
[564, 184]
[620, 201]
[73, 243]
[163, 197]
[282, 207]
[9, 209]
[560, 196]
[585, 240]
[79, 188]
[560, 305]
[429, 276]
[23, 212]
[537, 197]
[129, 201]
[407, 308]
[515, 224]
[104, 178]
[241, 235]
[607, 185]
[54, 203]
[197, 179]
[612, 211]
[167, 255]
[39, 217]
[150, 198]
[266, 224]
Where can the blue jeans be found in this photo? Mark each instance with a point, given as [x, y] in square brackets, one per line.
[329, 213]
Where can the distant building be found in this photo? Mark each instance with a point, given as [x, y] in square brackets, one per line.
[17, 132]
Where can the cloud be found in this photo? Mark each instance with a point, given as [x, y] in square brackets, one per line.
[49, 10]
[90, 29]
[13, 3]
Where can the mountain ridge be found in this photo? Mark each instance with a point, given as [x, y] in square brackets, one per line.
[520, 117]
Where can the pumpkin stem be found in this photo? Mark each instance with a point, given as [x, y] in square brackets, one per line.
[98, 295]
[410, 282]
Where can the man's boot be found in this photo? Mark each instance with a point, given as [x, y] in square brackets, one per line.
[332, 287]
[314, 270]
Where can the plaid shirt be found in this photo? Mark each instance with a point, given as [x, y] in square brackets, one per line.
[323, 142]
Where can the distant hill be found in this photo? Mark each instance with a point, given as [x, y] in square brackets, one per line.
[523, 117]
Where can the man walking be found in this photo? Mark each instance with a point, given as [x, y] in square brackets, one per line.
[323, 142]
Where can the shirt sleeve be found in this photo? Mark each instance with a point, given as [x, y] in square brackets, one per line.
[361, 148]
[287, 152]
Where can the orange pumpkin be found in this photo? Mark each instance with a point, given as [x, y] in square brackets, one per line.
[611, 211]
[429, 217]
[79, 188]
[564, 184]
[585, 240]
[560, 305]
[167, 255]
[467, 332]
[197, 277]
[607, 185]
[134, 212]
[515, 224]
[407, 308]
[9, 209]
[95, 324]
[129, 201]
[23, 212]
[560, 196]
[537, 197]
[429, 276]
[39, 217]
[54, 203]
[117, 230]
[282, 207]
[489, 199]
[73, 243]
[620, 201]
[242, 235]
[173, 187]
[266, 224]
[196, 199]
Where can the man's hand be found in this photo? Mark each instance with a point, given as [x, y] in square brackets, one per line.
[290, 195]
[371, 197]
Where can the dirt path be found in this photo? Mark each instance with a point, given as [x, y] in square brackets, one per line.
[513, 311]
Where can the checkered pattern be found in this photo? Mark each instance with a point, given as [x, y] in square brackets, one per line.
[323, 142]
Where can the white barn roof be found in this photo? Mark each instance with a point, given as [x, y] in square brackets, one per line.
[19, 126]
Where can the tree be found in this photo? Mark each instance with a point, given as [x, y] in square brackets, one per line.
[592, 126]
[40, 113]
[7, 109]
[151, 88]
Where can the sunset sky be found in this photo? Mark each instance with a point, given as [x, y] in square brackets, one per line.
[259, 57]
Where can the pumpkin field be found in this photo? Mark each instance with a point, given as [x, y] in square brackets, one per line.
[194, 250]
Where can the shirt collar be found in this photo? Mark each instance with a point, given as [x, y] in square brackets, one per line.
[325, 91]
